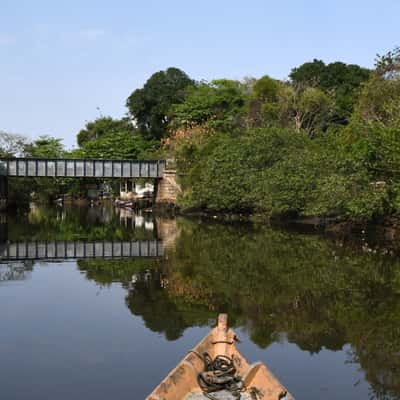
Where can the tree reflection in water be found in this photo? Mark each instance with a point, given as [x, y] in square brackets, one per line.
[274, 284]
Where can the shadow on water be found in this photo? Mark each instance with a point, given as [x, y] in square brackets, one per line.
[275, 285]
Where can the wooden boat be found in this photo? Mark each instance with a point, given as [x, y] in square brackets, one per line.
[250, 382]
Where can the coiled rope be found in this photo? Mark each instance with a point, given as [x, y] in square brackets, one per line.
[219, 374]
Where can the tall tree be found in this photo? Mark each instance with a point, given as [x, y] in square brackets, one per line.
[267, 102]
[341, 80]
[311, 109]
[218, 105]
[374, 129]
[103, 126]
[150, 106]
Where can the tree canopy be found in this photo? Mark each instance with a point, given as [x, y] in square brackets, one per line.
[342, 81]
[118, 145]
[218, 104]
[45, 147]
[150, 106]
[103, 126]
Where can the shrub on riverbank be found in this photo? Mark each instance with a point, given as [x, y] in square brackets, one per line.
[278, 172]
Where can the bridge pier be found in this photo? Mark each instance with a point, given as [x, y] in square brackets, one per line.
[166, 189]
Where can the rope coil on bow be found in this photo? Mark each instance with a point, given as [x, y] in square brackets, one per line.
[219, 374]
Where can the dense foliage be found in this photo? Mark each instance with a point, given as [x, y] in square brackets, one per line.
[341, 80]
[278, 172]
[326, 143]
[101, 127]
[218, 105]
[150, 106]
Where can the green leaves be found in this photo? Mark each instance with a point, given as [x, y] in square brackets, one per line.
[150, 106]
[103, 126]
[341, 81]
[118, 145]
[45, 147]
[280, 172]
[217, 105]
[108, 138]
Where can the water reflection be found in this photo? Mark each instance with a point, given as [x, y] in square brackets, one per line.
[278, 287]
[61, 234]
[15, 271]
[77, 223]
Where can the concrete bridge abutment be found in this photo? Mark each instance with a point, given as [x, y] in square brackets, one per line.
[167, 188]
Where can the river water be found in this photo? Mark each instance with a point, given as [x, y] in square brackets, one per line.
[324, 316]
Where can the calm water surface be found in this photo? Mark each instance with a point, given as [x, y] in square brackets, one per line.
[325, 318]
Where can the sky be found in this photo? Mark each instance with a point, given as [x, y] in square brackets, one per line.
[64, 63]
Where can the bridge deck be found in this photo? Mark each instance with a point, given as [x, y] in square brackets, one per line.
[81, 168]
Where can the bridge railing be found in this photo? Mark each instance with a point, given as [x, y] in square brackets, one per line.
[82, 168]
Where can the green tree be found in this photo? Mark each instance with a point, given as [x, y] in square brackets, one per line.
[374, 131]
[265, 107]
[218, 104]
[309, 73]
[266, 89]
[118, 145]
[150, 106]
[341, 80]
[311, 109]
[373, 135]
[45, 147]
[276, 103]
[103, 126]
[43, 189]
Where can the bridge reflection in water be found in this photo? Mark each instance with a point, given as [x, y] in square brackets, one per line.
[15, 271]
[61, 250]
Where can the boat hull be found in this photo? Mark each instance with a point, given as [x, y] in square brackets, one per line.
[182, 381]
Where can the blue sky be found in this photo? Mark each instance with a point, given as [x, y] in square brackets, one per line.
[63, 63]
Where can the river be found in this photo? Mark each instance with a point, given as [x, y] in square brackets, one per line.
[324, 316]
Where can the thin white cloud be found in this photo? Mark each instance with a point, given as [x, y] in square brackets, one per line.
[92, 33]
[6, 39]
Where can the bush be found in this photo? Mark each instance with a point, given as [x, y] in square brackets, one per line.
[278, 172]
